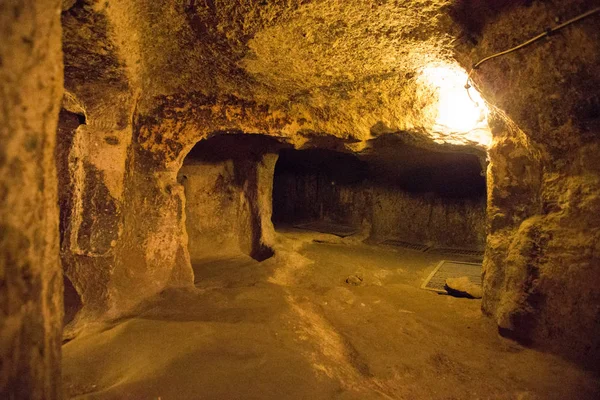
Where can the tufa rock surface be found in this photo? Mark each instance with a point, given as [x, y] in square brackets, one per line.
[31, 310]
[541, 281]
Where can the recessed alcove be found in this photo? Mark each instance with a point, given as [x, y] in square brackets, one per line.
[220, 176]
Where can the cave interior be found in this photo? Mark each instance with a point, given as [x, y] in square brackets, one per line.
[256, 199]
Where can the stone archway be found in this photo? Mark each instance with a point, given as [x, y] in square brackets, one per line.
[227, 181]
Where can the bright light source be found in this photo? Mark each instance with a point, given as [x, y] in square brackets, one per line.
[459, 113]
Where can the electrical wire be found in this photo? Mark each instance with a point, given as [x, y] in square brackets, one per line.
[547, 32]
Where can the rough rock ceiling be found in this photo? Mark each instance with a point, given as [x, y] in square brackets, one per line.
[334, 46]
[351, 69]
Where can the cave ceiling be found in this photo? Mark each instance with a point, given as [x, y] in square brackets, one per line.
[298, 69]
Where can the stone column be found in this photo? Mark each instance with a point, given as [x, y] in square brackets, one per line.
[256, 229]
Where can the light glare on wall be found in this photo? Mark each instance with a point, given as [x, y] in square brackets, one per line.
[458, 112]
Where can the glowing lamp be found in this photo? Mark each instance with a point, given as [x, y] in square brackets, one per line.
[460, 113]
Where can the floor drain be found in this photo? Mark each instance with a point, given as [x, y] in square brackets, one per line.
[458, 252]
[406, 245]
[451, 269]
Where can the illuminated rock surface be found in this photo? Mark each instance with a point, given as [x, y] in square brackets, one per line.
[177, 115]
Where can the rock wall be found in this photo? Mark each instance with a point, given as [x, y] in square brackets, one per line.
[152, 252]
[30, 276]
[212, 207]
[93, 162]
[122, 225]
[427, 219]
[389, 212]
[541, 272]
[93, 148]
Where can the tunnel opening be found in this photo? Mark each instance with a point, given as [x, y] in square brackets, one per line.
[390, 191]
[306, 184]
[222, 180]
[72, 301]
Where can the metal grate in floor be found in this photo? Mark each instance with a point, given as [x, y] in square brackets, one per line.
[406, 245]
[459, 252]
[451, 269]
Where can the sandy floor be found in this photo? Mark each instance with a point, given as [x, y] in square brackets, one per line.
[292, 328]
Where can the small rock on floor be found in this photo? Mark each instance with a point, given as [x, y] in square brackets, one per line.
[463, 287]
[354, 280]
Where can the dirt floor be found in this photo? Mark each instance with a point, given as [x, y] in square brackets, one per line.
[291, 327]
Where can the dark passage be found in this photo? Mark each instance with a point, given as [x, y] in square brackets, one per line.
[421, 171]
[306, 185]
[392, 189]
[72, 301]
